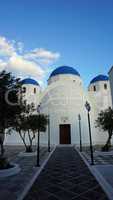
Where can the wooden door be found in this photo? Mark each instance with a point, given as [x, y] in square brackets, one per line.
[65, 134]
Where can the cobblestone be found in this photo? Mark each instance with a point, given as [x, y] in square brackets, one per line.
[66, 177]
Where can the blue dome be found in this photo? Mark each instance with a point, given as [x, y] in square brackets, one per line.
[100, 78]
[64, 70]
[29, 81]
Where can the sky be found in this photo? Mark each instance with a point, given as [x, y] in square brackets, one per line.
[36, 36]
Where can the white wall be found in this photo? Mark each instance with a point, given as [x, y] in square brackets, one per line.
[63, 99]
[111, 83]
[101, 100]
[30, 96]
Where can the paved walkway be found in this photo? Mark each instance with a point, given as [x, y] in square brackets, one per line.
[66, 177]
[102, 159]
[12, 187]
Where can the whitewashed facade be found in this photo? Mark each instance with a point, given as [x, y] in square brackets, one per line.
[111, 82]
[63, 100]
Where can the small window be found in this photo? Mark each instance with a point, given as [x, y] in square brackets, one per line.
[25, 102]
[34, 90]
[94, 88]
[32, 105]
[105, 86]
[24, 89]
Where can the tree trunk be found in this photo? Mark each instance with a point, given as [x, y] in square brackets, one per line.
[2, 137]
[30, 149]
[23, 139]
[108, 143]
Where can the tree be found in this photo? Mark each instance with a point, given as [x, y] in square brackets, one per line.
[38, 124]
[9, 106]
[22, 126]
[27, 125]
[105, 122]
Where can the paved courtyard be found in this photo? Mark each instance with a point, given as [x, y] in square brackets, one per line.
[100, 158]
[66, 177]
[11, 187]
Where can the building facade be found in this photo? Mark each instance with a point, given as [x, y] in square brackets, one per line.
[63, 100]
[111, 82]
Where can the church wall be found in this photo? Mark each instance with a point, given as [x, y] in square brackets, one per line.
[111, 83]
[101, 100]
[30, 96]
[63, 99]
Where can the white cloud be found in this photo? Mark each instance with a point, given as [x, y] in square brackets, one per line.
[20, 47]
[3, 65]
[43, 55]
[13, 58]
[21, 66]
[6, 47]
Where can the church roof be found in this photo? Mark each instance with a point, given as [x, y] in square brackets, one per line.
[100, 77]
[64, 70]
[29, 81]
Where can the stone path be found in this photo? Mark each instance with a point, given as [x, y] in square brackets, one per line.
[12, 187]
[66, 177]
[99, 159]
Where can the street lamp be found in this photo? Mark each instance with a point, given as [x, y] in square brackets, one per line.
[79, 118]
[88, 108]
[49, 148]
[38, 139]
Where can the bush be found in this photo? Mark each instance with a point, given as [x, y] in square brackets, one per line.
[4, 163]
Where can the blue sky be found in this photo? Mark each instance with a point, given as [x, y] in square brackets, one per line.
[81, 31]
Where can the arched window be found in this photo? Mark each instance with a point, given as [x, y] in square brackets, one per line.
[105, 86]
[34, 90]
[24, 89]
[32, 105]
[94, 88]
[25, 102]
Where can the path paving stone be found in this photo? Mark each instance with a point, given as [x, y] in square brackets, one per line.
[66, 177]
[12, 187]
[99, 159]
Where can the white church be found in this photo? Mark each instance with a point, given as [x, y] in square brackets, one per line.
[64, 100]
